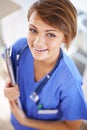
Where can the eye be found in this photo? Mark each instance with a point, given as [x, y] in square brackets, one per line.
[33, 30]
[51, 35]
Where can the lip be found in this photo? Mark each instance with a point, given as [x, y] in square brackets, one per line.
[39, 50]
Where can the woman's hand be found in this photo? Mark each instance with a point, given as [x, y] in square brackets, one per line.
[11, 92]
[18, 112]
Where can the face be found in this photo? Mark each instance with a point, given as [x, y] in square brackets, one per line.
[44, 40]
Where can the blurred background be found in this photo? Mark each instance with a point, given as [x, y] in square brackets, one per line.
[13, 25]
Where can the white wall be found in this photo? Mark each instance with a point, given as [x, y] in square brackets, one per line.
[80, 4]
[15, 25]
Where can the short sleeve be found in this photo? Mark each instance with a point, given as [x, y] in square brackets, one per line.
[73, 105]
[16, 47]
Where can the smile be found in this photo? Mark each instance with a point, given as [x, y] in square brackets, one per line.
[40, 50]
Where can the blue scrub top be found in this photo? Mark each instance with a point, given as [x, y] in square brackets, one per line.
[62, 97]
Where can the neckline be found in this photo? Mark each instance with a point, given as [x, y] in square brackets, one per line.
[52, 71]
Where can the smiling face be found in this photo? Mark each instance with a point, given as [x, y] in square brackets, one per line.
[44, 40]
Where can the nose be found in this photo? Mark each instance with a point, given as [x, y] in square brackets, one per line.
[40, 40]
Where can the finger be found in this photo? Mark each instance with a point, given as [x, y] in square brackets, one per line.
[11, 89]
[11, 93]
[8, 83]
[13, 97]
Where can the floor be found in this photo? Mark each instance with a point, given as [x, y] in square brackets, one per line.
[4, 106]
[4, 110]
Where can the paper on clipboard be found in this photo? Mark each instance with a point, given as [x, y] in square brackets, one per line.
[10, 69]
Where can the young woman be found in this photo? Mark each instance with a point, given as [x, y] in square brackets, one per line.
[48, 82]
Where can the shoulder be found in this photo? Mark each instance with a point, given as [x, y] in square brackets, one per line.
[67, 75]
[19, 44]
[69, 67]
[17, 47]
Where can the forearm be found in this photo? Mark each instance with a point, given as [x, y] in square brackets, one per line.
[52, 125]
[46, 125]
[83, 125]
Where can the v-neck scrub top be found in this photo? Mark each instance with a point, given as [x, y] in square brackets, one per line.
[61, 98]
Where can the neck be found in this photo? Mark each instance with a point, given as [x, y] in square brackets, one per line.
[42, 68]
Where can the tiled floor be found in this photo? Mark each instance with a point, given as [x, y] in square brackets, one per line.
[5, 125]
[4, 109]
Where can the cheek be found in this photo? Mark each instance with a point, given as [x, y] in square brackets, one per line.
[54, 46]
[57, 43]
[29, 39]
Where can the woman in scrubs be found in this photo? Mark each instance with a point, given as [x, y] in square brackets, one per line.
[48, 82]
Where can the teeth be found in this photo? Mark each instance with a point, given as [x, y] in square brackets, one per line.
[40, 49]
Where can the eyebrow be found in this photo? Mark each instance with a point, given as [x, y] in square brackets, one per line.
[45, 30]
[33, 26]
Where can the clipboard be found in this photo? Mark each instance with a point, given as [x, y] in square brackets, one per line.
[10, 69]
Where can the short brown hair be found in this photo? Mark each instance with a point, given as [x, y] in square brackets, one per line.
[60, 14]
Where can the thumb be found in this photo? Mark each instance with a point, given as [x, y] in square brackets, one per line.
[8, 83]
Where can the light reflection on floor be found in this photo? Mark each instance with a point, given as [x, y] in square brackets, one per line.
[4, 109]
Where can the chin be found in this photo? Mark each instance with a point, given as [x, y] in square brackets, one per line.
[39, 58]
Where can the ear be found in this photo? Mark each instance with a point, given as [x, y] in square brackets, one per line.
[65, 41]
